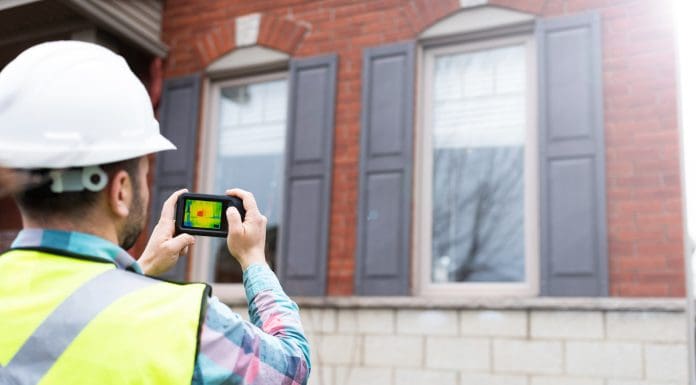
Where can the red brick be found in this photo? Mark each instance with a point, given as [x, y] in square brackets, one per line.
[622, 265]
[652, 249]
[641, 290]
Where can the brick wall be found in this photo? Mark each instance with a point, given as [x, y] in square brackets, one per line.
[493, 346]
[643, 191]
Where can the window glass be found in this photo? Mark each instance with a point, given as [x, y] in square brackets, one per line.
[251, 155]
[479, 119]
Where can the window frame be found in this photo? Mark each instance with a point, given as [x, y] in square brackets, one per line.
[422, 258]
[202, 252]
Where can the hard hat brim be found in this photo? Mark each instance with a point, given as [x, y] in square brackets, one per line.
[56, 157]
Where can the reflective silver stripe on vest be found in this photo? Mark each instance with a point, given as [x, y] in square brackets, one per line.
[43, 348]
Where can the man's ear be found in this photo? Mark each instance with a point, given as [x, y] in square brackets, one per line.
[120, 194]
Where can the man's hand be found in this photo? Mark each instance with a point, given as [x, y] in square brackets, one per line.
[246, 240]
[163, 249]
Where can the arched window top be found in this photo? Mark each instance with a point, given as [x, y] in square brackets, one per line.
[474, 19]
[248, 58]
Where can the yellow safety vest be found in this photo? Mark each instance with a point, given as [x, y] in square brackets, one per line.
[68, 321]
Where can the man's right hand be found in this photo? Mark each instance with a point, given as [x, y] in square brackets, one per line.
[163, 248]
[246, 240]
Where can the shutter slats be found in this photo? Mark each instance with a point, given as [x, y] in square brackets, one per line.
[383, 250]
[573, 208]
[305, 231]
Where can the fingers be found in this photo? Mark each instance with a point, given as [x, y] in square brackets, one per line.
[169, 206]
[247, 199]
[179, 243]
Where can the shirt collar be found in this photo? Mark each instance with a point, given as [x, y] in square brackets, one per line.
[77, 243]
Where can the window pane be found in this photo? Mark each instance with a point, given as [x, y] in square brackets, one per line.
[479, 120]
[251, 156]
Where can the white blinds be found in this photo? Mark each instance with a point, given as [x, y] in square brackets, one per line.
[479, 98]
[252, 119]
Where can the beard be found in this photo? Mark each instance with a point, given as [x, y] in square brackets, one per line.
[135, 222]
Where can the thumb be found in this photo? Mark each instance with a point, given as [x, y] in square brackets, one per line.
[234, 220]
[179, 243]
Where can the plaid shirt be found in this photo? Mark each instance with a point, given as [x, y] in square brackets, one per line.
[271, 349]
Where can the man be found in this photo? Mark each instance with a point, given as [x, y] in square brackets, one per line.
[75, 308]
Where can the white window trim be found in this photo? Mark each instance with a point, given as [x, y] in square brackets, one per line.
[423, 181]
[247, 60]
[475, 20]
[202, 252]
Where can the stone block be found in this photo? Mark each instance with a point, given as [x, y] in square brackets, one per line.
[493, 323]
[633, 382]
[427, 322]
[423, 377]
[539, 380]
[339, 349]
[366, 321]
[492, 379]
[567, 324]
[319, 320]
[666, 362]
[524, 356]
[393, 351]
[646, 326]
[604, 359]
[321, 375]
[457, 353]
[362, 376]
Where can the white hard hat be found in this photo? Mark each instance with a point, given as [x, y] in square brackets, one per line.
[73, 104]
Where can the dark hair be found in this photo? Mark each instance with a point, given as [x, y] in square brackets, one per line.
[41, 201]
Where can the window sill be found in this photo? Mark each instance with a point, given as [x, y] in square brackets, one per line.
[671, 305]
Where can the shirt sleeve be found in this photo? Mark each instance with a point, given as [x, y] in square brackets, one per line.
[271, 349]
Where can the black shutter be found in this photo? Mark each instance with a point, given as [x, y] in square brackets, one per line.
[178, 117]
[383, 254]
[309, 156]
[573, 207]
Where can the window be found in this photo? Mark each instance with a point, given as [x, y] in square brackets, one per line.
[478, 167]
[245, 148]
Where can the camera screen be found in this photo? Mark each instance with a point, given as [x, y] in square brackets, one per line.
[202, 214]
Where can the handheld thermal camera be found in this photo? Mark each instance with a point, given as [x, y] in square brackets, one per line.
[204, 214]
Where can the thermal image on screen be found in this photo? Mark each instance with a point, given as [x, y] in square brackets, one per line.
[201, 214]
